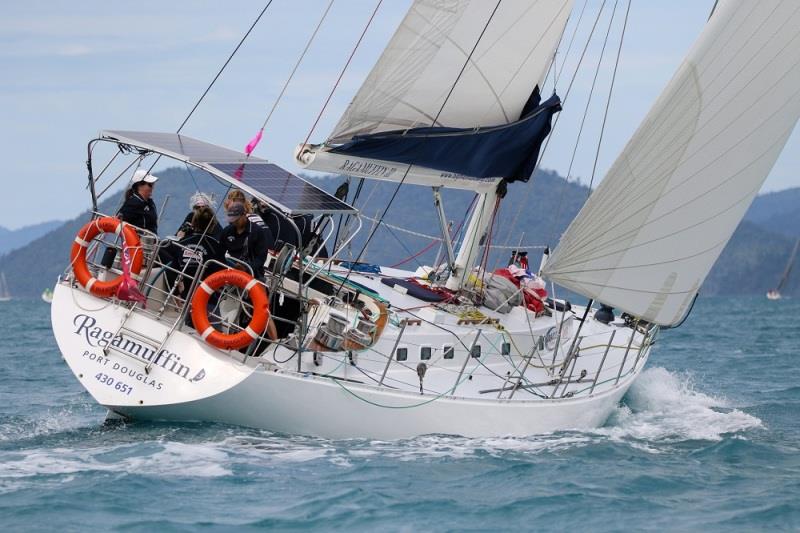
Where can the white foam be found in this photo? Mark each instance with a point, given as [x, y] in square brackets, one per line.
[170, 460]
[662, 405]
[275, 449]
[55, 420]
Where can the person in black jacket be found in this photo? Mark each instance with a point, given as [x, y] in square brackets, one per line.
[248, 242]
[245, 240]
[198, 201]
[139, 208]
[284, 232]
[191, 252]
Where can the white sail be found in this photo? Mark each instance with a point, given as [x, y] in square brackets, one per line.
[4, 294]
[410, 82]
[418, 81]
[789, 266]
[648, 236]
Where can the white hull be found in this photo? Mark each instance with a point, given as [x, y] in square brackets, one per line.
[190, 381]
[317, 406]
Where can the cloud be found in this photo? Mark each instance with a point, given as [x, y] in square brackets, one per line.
[73, 50]
[222, 33]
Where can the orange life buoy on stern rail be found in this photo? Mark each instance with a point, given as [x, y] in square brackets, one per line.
[77, 255]
[258, 297]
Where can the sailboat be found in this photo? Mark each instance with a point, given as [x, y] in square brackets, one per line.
[47, 295]
[456, 348]
[775, 294]
[5, 296]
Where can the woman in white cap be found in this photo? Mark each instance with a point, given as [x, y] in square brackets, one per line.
[139, 208]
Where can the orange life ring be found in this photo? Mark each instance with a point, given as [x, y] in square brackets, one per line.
[258, 297]
[85, 236]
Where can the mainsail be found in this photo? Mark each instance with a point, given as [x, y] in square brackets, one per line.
[450, 64]
[649, 234]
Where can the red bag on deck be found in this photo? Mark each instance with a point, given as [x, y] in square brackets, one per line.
[533, 296]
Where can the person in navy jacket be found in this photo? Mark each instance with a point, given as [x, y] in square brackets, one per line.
[139, 208]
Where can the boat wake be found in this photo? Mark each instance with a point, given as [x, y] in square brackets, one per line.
[664, 406]
[662, 409]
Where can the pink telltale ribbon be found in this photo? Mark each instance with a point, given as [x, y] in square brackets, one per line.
[248, 150]
[129, 290]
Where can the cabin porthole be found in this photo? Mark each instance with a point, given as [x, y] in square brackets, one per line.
[402, 354]
[425, 353]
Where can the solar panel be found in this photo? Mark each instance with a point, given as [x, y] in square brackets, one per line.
[179, 147]
[273, 184]
[291, 193]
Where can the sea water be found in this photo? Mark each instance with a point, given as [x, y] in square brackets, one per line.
[707, 439]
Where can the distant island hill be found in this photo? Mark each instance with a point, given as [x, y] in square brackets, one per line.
[752, 262]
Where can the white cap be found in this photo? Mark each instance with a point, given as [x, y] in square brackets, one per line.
[201, 199]
[142, 175]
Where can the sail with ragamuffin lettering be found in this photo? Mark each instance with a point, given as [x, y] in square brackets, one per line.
[651, 231]
[454, 95]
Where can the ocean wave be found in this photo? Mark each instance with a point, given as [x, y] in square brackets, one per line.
[663, 405]
[165, 459]
[75, 415]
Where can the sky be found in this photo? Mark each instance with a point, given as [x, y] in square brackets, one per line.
[72, 69]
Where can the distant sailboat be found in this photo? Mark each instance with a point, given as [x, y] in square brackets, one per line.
[47, 295]
[775, 294]
[4, 294]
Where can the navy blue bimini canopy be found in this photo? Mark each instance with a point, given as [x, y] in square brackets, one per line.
[509, 151]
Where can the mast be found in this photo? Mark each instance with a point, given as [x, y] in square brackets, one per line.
[476, 229]
[453, 102]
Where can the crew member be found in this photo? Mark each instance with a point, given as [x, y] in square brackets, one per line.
[246, 241]
[198, 201]
[139, 208]
[194, 250]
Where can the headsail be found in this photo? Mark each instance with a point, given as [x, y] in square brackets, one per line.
[648, 236]
[418, 82]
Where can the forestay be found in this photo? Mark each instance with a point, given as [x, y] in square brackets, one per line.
[424, 77]
[648, 236]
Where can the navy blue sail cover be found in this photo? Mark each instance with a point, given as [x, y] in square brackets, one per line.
[508, 151]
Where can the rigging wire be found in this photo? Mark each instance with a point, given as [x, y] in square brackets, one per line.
[344, 69]
[433, 122]
[297, 64]
[551, 69]
[555, 124]
[251, 146]
[434, 240]
[569, 47]
[554, 220]
[661, 171]
[213, 81]
[610, 91]
[224, 65]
